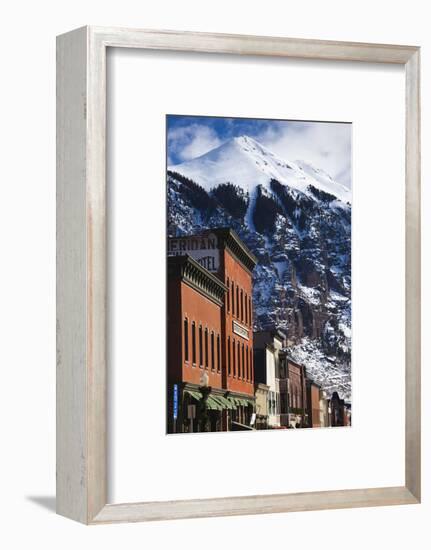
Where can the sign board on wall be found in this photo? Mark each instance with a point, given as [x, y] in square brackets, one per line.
[202, 248]
[240, 330]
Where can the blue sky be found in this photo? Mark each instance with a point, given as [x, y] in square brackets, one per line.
[326, 145]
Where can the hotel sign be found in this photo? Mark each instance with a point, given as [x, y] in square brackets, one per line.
[240, 330]
[203, 249]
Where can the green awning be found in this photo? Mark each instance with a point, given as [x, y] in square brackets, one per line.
[229, 404]
[218, 400]
[232, 402]
[195, 394]
[241, 401]
[212, 404]
[225, 403]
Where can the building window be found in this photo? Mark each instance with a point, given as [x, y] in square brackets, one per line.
[193, 343]
[233, 298]
[218, 353]
[201, 348]
[229, 357]
[186, 339]
[237, 302]
[242, 362]
[234, 358]
[228, 295]
[249, 312]
[241, 301]
[206, 348]
[212, 351]
[239, 360]
[247, 366]
[245, 308]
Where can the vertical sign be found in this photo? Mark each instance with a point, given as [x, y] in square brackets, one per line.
[175, 401]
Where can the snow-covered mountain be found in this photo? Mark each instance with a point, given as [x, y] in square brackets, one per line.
[296, 219]
[247, 163]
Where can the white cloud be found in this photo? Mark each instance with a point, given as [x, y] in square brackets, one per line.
[191, 141]
[325, 145]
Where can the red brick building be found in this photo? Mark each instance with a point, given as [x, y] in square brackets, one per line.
[210, 334]
[313, 404]
[297, 391]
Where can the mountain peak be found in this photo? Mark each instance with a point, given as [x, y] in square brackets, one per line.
[249, 144]
[244, 139]
[245, 162]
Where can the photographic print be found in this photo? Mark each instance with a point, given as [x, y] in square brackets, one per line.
[258, 274]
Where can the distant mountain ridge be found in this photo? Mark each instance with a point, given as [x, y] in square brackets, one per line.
[297, 221]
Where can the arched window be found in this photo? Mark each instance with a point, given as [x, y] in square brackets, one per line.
[218, 353]
[235, 372]
[212, 351]
[237, 301]
[239, 360]
[193, 343]
[206, 348]
[242, 305]
[232, 290]
[242, 361]
[229, 357]
[201, 347]
[186, 339]
[247, 365]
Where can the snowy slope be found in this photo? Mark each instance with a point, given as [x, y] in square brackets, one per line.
[246, 163]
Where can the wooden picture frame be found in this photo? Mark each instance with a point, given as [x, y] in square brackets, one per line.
[81, 274]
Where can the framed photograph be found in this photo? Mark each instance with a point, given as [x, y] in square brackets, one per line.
[238, 275]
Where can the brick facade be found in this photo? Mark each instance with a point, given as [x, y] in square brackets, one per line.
[210, 328]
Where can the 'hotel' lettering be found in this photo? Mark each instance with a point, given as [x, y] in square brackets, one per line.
[208, 262]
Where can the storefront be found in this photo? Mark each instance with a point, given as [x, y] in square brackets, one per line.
[203, 409]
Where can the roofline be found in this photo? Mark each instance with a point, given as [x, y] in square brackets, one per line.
[275, 333]
[294, 362]
[229, 233]
[313, 383]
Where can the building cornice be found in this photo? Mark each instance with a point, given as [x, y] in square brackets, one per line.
[229, 239]
[283, 355]
[194, 275]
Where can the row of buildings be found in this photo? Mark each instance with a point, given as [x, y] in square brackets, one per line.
[221, 375]
[285, 396]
